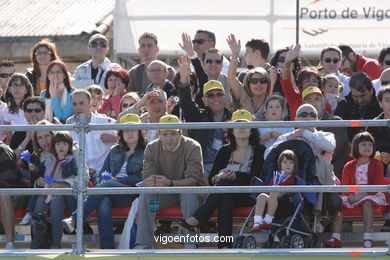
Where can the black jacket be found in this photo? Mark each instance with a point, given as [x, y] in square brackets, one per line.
[223, 157]
[381, 135]
[347, 109]
[192, 113]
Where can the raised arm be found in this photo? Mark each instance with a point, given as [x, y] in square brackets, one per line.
[291, 55]
[234, 84]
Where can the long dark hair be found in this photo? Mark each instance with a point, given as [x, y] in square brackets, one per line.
[254, 138]
[9, 99]
[64, 68]
[141, 141]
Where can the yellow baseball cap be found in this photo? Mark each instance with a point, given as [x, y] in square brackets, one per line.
[242, 115]
[130, 119]
[212, 84]
[169, 119]
[311, 90]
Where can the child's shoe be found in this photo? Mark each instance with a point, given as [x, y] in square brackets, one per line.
[333, 243]
[26, 219]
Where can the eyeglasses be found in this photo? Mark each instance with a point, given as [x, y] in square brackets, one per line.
[258, 80]
[96, 44]
[281, 59]
[210, 61]
[5, 75]
[15, 85]
[52, 72]
[329, 60]
[36, 110]
[307, 114]
[125, 105]
[199, 41]
[41, 53]
[385, 82]
[387, 62]
[212, 95]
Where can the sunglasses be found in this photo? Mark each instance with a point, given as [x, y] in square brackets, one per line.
[36, 110]
[40, 53]
[212, 95]
[258, 80]
[385, 82]
[199, 41]
[5, 75]
[124, 105]
[307, 114]
[329, 60]
[281, 59]
[210, 61]
[387, 62]
[96, 44]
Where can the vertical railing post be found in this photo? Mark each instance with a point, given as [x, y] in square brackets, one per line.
[81, 128]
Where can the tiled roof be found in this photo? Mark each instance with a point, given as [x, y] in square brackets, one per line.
[30, 18]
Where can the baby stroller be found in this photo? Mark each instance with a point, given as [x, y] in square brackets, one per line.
[291, 226]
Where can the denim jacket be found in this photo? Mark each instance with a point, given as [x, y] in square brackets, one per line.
[114, 162]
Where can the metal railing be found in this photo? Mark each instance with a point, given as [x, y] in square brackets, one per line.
[82, 128]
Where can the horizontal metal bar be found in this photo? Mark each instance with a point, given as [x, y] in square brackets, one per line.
[256, 124]
[203, 125]
[66, 127]
[200, 189]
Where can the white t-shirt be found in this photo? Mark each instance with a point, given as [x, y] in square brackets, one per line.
[16, 118]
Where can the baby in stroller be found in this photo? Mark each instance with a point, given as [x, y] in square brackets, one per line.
[287, 166]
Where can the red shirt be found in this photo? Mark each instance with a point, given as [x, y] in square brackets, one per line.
[369, 66]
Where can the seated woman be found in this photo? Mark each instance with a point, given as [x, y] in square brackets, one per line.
[122, 168]
[57, 93]
[50, 175]
[117, 80]
[235, 165]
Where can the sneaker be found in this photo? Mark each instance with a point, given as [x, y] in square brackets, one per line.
[26, 219]
[10, 246]
[261, 227]
[333, 243]
[68, 224]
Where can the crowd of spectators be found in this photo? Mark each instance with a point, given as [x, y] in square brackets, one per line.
[205, 87]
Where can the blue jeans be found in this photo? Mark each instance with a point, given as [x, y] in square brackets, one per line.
[57, 213]
[103, 204]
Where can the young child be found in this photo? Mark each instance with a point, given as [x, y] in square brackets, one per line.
[97, 95]
[287, 165]
[57, 171]
[275, 110]
[332, 88]
[363, 170]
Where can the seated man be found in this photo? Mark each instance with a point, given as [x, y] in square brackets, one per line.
[381, 135]
[171, 160]
[314, 97]
[359, 104]
[157, 74]
[97, 143]
[214, 99]
[9, 178]
[148, 50]
[322, 143]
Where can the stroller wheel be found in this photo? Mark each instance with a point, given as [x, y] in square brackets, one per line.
[238, 242]
[285, 241]
[249, 242]
[297, 242]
